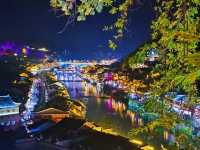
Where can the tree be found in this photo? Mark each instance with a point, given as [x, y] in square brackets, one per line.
[79, 10]
[176, 35]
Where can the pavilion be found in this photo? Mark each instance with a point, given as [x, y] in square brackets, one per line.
[9, 112]
[53, 114]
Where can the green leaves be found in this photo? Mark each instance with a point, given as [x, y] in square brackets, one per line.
[112, 45]
[81, 18]
[80, 10]
[113, 11]
[194, 59]
[177, 33]
[197, 2]
[119, 23]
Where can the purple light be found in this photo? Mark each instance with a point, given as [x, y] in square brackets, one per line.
[7, 45]
[109, 104]
[9, 48]
[108, 76]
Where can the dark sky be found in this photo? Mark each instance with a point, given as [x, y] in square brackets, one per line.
[33, 22]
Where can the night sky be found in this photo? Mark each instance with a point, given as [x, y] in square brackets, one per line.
[34, 23]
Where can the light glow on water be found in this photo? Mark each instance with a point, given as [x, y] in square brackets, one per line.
[108, 112]
[115, 106]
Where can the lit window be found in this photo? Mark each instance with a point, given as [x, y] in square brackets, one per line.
[8, 123]
[13, 123]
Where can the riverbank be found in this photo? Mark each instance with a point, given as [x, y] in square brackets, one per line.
[122, 113]
[61, 132]
[103, 110]
[163, 120]
[78, 134]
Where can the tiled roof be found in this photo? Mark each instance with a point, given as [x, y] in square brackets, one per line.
[52, 111]
[7, 102]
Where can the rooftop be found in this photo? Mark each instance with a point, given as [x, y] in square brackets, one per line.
[51, 111]
[7, 102]
[180, 98]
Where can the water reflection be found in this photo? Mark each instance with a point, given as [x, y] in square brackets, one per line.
[124, 112]
[82, 89]
[104, 111]
[115, 106]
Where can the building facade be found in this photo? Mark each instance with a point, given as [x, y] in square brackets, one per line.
[53, 114]
[9, 113]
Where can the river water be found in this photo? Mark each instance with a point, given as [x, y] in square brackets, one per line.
[105, 112]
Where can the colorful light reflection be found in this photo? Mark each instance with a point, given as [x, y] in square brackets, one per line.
[122, 109]
[115, 106]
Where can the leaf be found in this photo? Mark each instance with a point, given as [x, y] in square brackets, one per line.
[112, 45]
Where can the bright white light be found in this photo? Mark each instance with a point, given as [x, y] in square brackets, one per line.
[43, 49]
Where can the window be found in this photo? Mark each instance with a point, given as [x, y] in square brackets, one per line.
[8, 123]
[13, 123]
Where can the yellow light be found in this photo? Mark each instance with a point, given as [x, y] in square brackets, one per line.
[140, 122]
[138, 142]
[24, 50]
[43, 49]
[24, 75]
[148, 147]
[166, 135]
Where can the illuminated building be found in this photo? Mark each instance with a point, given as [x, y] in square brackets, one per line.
[24, 51]
[13, 49]
[52, 114]
[9, 112]
[108, 76]
[152, 55]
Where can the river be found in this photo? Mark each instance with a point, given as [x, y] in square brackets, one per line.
[105, 112]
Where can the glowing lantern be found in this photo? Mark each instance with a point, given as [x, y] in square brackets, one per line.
[24, 75]
[24, 51]
[166, 135]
